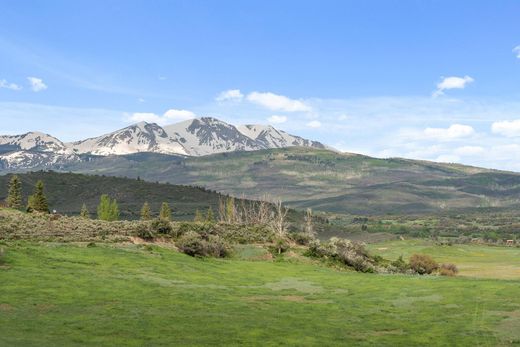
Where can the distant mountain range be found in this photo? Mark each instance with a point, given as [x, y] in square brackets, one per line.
[196, 137]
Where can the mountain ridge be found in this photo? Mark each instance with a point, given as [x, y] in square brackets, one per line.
[195, 137]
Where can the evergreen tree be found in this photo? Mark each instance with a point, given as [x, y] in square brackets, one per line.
[38, 201]
[199, 218]
[209, 216]
[145, 212]
[166, 212]
[14, 197]
[84, 213]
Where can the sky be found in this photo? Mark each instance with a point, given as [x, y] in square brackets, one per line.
[433, 80]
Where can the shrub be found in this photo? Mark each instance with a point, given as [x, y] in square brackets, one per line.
[400, 265]
[145, 231]
[448, 269]
[195, 244]
[280, 245]
[162, 226]
[423, 264]
[300, 238]
[350, 253]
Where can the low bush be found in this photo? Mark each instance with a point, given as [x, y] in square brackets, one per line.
[279, 246]
[350, 253]
[145, 231]
[301, 238]
[423, 264]
[203, 245]
[448, 269]
[161, 226]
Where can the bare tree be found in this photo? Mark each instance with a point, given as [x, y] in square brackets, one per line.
[309, 225]
[279, 223]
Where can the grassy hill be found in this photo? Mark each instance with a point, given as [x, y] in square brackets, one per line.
[326, 180]
[131, 295]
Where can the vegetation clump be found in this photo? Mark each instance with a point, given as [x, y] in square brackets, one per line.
[108, 209]
[203, 245]
[344, 251]
[423, 264]
[448, 269]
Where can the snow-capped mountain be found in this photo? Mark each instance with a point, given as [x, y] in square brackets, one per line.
[33, 150]
[196, 137]
[33, 141]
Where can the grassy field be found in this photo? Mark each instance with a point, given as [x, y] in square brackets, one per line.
[71, 294]
[472, 260]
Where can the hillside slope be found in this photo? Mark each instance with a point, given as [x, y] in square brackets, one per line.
[326, 180]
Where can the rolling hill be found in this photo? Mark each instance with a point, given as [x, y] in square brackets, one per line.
[325, 180]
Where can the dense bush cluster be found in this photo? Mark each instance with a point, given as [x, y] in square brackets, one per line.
[203, 245]
[423, 264]
[350, 253]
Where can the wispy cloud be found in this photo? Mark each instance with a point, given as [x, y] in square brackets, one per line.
[36, 84]
[314, 124]
[11, 86]
[168, 117]
[516, 51]
[277, 102]
[506, 128]
[275, 119]
[452, 83]
[230, 95]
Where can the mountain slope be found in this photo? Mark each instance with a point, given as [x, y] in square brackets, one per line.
[326, 180]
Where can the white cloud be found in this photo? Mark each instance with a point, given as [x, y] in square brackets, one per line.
[277, 119]
[7, 85]
[36, 84]
[454, 131]
[278, 102]
[469, 151]
[516, 51]
[506, 128]
[343, 117]
[230, 95]
[314, 124]
[452, 83]
[170, 116]
[141, 100]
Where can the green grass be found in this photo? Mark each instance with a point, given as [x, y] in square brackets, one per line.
[472, 260]
[67, 295]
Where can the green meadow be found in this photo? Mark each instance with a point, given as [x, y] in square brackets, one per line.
[482, 261]
[139, 295]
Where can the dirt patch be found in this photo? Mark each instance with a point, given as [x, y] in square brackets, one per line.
[5, 307]
[44, 308]
[294, 284]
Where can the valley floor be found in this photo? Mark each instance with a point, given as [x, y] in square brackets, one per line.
[70, 294]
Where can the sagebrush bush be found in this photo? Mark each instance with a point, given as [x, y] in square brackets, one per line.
[350, 253]
[301, 238]
[203, 245]
[161, 226]
[423, 264]
[448, 269]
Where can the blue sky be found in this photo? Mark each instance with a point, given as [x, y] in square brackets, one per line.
[435, 80]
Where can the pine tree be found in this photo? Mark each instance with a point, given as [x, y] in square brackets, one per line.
[84, 213]
[145, 212]
[166, 212]
[38, 201]
[199, 218]
[209, 216]
[14, 197]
